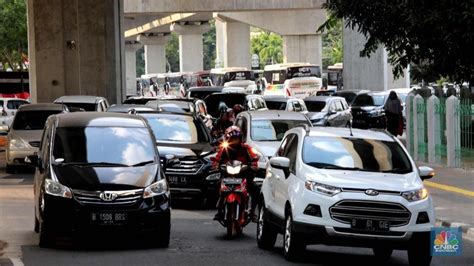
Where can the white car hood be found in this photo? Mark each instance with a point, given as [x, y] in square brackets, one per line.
[267, 148]
[366, 180]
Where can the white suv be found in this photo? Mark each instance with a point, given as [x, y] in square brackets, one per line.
[335, 186]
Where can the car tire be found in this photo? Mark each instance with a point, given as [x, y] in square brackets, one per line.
[419, 252]
[10, 169]
[382, 254]
[37, 225]
[293, 244]
[266, 232]
[45, 239]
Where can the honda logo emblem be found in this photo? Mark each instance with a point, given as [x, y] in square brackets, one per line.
[371, 192]
[108, 196]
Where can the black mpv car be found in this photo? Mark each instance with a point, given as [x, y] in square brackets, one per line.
[99, 172]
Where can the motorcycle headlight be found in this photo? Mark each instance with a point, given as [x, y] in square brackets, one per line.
[322, 188]
[18, 144]
[415, 195]
[231, 170]
[213, 177]
[158, 188]
[54, 188]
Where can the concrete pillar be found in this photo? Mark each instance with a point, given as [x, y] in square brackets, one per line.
[453, 132]
[303, 48]
[237, 44]
[155, 53]
[190, 45]
[75, 49]
[131, 48]
[376, 73]
[220, 42]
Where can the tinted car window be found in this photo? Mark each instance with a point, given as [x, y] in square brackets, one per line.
[349, 96]
[315, 106]
[88, 107]
[363, 100]
[353, 153]
[215, 102]
[176, 128]
[276, 105]
[137, 101]
[31, 120]
[272, 130]
[120, 145]
[15, 104]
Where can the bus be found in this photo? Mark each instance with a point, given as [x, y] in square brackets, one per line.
[232, 77]
[335, 81]
[154, 84]
[292, 79]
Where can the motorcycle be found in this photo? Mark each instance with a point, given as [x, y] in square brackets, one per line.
[235, 196]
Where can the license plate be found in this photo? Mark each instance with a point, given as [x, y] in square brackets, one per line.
[109, 218]
[177, 179]
[370, 225]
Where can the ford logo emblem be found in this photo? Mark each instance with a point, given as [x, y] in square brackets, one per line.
[107, 196]
[371, 192]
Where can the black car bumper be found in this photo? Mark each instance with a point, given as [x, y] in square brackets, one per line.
[193, 186]
[366, 122]
[69, 216]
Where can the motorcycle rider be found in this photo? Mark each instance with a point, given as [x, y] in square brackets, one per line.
[233, 148]
[226, 120]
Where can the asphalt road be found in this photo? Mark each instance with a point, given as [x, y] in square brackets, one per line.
[195, 240]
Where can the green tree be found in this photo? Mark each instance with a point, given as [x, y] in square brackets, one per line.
[172, 53]
[332, 43]
[436, 36]
[140, 55]
[209, 46]
[268, 46]
[13, 34]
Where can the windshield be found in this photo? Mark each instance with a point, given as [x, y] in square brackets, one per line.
[32, 120]
[379, 100]
[200, 94]
[141, 101]
[304, 71]
[88, 107]
[315, 106]
[276, 105]
[357, 154]
[176, 128]
[217, 102]
[114, 145]
[240, 75]
[272, 130]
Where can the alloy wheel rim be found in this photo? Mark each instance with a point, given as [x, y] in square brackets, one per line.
[260, 224]
[288, 234]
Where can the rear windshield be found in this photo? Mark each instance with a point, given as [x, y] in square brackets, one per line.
[276, 105]
[176, 128]
[218, 102]
[200, 94]
[140, 101]
[315, 106]
[15, 104]
[88, 107]
[272, 130]
[31, 120]
[349, 96]
[304, 71]
[369, 100]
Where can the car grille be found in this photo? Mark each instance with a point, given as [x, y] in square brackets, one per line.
[184, 166]
[124, 197]
[346, 210]
[35, 144]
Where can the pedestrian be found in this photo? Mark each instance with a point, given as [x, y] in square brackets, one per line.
[393, 113]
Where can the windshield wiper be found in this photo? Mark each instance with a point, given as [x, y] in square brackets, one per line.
[336, 167]
[142, 163]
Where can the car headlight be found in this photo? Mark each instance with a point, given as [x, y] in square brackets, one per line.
[322, 188]
[54, 188]
[376, 112]
[415, 195]
[158, 188]
[18, 144]
[213, 177]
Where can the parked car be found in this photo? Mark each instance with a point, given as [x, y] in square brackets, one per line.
[24, 136]
[349, 95]
[86, 102]
[331, 186]
[367, 110]
[263, 131]
[184, 145]
[218, 101]
[8, 108]
[202, 92]
[96, 173]
[128, 108]
[328, 111]
[275, 102]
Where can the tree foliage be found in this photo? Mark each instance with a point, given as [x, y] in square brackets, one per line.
[332, 43]
[268, 46]
[13, 34]
[209, 46]
[437, 35]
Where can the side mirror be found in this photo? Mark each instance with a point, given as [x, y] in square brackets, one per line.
[426, 172]
[281, 163]
[32, 160]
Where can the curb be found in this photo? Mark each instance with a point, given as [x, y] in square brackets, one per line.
[466, 230]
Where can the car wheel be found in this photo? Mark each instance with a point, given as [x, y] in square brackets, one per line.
[37, 226]
[45, 239]
[382, 254]
[293, 245]
[266, 233]
[419, 252]
[10, 169]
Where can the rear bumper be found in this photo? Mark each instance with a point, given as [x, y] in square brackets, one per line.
[17, 157]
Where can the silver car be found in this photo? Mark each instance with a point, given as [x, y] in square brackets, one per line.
[24, 136]
[84, 103]
[8, 107]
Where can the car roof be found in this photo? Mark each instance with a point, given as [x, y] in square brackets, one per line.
[367, 134]
[322, 98]
[278, 98]
[42, 107]
[275, 115]
[206, 88]
[9, 99]
[99, 119]
[78, 99]
[125, 108]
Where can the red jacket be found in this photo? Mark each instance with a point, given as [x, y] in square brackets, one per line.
[242, 153]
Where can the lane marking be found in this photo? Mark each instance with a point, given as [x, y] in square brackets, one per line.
[450, 188]
[16, 262]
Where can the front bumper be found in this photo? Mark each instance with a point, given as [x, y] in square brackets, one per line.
[69, 216]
